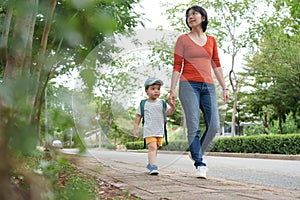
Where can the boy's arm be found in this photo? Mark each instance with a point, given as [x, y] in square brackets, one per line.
[172, 103]
[137, 122]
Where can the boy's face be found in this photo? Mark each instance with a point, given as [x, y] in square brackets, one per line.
[153, 91]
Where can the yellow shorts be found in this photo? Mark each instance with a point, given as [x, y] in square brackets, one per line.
[158, 140]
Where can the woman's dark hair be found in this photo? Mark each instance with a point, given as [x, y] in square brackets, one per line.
[203, 13]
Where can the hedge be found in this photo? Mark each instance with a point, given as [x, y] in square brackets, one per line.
[265, 144]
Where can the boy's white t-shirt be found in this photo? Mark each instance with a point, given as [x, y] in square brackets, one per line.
[153, 118]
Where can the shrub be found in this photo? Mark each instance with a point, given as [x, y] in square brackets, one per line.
[135, 145]
[266, 144]
[109, 146]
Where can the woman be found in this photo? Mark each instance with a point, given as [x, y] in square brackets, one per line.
[195, 56]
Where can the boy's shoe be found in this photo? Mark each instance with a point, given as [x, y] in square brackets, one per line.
[201, 172]
[153, 170]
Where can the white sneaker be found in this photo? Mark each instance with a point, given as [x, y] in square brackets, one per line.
[201, 172]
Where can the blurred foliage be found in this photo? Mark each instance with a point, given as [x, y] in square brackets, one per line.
[21, 135]
[60, 43]
[77, 186]
[41, 40]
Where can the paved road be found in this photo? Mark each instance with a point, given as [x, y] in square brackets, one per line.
[283, 174]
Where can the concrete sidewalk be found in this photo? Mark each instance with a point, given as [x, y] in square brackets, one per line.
[170, 184]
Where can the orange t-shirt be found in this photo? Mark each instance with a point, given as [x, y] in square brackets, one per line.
[195, 61]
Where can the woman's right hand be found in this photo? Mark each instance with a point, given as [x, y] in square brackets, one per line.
[172, 97]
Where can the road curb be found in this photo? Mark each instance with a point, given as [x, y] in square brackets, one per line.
[238, 155]
[256, 155]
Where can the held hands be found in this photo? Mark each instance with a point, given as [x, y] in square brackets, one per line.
[172, 103]
[172, 99]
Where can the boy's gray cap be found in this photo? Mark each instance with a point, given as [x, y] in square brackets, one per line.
[152, 81]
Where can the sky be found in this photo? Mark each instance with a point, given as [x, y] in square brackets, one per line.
[153, 11]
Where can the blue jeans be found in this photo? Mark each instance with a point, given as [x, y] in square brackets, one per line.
[196, 96]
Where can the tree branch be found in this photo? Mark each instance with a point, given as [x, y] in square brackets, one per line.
[47, 27]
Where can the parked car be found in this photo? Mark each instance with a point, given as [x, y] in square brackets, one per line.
[57, 144]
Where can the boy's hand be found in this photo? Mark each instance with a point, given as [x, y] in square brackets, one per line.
[136, 125]
[136, 134]
[172, 102]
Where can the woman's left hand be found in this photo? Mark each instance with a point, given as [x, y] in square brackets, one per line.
[226, 96]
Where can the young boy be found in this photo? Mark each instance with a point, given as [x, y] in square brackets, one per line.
[153, 128]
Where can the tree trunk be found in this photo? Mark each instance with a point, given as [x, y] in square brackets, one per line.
[21, 37]
[16, 63]
[31, 24]
[109, 122]
[233, 113]
[4, 37]
[39, 73]
[266, 124]
[233, 78]
[280, 121]
[5, 189]
[234, 109]
[5, 166]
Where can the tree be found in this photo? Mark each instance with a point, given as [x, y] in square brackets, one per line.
[39, 40]
[275, 79]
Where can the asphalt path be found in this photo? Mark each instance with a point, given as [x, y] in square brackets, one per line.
[284, 174]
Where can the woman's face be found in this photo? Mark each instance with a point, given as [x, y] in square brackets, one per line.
[194, 19]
